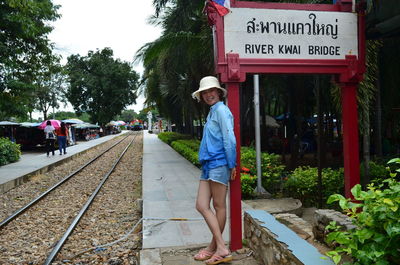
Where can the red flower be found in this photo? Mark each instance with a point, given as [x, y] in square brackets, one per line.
[245, 169]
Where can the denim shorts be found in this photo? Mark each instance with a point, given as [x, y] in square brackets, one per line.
[220, 174]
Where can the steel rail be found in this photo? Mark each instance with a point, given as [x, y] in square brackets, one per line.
[73, 224]
[41, 196]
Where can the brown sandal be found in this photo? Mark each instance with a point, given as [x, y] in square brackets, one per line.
[216, 259]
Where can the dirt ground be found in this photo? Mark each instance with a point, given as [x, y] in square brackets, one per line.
[180, 256]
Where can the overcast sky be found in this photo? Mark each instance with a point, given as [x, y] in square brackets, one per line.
[95, 24]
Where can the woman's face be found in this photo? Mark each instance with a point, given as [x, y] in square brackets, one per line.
[210, 96]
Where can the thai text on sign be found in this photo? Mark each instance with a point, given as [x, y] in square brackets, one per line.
[290, 34]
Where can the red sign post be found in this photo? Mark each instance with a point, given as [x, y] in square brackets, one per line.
[258, 37]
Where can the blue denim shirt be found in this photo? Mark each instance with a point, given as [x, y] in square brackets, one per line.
[218, 146]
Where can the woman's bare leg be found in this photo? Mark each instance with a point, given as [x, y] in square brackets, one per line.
[215, 221]
[218, 194]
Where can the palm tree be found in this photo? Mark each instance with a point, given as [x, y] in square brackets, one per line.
[367, 93]
[176, 61]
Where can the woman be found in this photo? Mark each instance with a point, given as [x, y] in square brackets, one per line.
[62, 134]
[217, 156]
[50, 135]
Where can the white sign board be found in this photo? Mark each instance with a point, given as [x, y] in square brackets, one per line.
[290, 34]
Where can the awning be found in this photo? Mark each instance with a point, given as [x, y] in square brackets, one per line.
[73, 121]
[8, 123]
[85, 126]
[29, 124]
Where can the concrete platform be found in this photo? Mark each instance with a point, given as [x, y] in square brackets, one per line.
[169, 189]
[14, 174]
[170, 186]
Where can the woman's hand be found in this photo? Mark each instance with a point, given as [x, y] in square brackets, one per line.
[233, 173]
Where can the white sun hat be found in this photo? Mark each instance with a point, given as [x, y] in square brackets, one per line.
[207, 83]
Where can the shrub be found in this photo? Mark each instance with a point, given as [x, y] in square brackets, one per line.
[187, 148]
[394, 167]
[248, 183]
[303, 184]
[377, 172]
[271, 167]
[169, 137]
[192, 144]
[376, 238]
[9, 151]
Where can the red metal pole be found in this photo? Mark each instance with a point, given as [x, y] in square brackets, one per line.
[350, 137]
[235, 187]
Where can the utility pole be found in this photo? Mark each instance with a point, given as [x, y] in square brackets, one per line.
[260, 189]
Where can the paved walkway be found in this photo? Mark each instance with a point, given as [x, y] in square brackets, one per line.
[169, 190]
[14, 174]
[170, 186]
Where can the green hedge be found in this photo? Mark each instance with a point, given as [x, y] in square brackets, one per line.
[188, 149]
[248, 183]
[377, 172]
[9, 151]
[272, 168]
[302, 184]
[169, 137]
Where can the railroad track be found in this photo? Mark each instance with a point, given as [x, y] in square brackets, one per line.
[59, 227]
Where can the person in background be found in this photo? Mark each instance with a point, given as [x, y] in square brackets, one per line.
[13, 134]
[62, 134]
[217, 155]
[70, 138]
[50, 135]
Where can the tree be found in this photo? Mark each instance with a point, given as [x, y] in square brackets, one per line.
[100, 85]
[175, 63]
[126, 115]
[64, 115]
[49, 87]
[366, 94]
[389, 107]
[24, 47]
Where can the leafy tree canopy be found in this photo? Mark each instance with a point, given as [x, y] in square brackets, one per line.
[126, 115]
[100, 85]
[24, 46]
[63, 115]
[49, 87]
